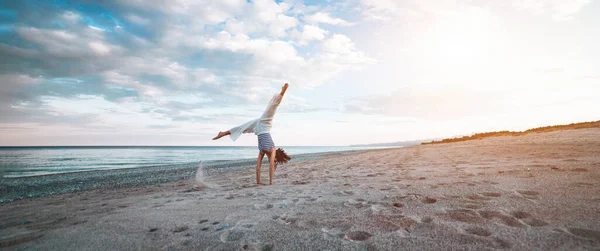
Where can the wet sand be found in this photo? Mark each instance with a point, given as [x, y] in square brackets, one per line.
[540, 191]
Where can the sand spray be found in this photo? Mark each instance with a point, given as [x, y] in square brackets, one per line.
[200, 182]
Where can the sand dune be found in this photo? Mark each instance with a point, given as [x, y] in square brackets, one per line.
[540, 191]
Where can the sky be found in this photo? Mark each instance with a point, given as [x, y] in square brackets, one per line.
[152, 72]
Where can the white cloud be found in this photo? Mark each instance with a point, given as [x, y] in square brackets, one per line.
[71, 16]
[235, 26]
[535, 6]
[265, 51]
[208, 11]
[64, 44]
[309, 33]
[313, 32]
[298, 104]
[566, 9]
[100, 49]
[341, 49]
[12, 82]
[269, 17]
[175, 75]
[325, 17]
[181, 64]
[379, 9]
[281, 25]
[561, 10]
[137, 19]
[113, 78]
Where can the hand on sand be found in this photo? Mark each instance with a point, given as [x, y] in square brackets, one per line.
[220, 135]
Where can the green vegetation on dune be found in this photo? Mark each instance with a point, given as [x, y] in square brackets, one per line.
[573, 126]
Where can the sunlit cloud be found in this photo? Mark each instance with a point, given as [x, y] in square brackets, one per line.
[197, 67]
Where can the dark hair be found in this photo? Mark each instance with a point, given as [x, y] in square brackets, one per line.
[281, 157]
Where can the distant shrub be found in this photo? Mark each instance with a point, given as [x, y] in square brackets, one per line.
[572, 126]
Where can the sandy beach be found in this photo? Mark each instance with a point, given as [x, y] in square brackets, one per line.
[540, 191]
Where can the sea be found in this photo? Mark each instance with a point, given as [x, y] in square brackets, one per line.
[34, 161]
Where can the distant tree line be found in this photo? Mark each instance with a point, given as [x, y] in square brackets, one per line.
[572, 126]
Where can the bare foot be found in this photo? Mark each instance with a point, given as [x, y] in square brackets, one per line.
[220, 135]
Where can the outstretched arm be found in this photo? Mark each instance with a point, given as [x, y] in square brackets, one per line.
[258, 164]
[284, 89]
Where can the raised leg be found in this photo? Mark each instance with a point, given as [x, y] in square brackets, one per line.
[258, 164]
[221, 134]
[271, 166]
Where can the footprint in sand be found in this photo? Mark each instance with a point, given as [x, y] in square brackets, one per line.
[478, 231]
[245, 224]
[426, 219]
[258, 247]
[504, 219]
[355, 203]
[428, 200]
[263, 206]
[463, 215]
[18, 238]
[397, 204]
[286, 220]
[582, 184]
[490, 182]
[407, 223]
[186, 242]
[471, 206]
[529, 194]
[570, 160]
[585, 233]
[300, 182]
[520, 214]
[332, 233]
[491, 194]
[529, 219]
[180, 229]
[579, 170]
[477, 197]
[358, 236]
[377, 208]
[534, 222]
[502, 244]
[231, 235]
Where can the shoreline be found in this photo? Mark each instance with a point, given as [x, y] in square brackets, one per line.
[22, 187]
[535, 192]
